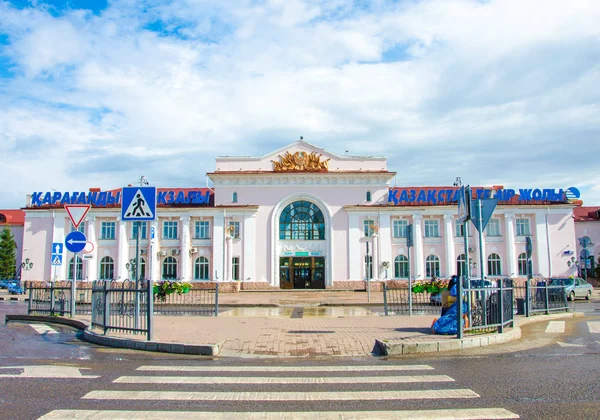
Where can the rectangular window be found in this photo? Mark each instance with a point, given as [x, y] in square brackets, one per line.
[169, 230]
[459, 228]
[523, 227]
[235, 268]
[400, 228]
[369, 228]
[108, 230]
[234, 229]
[81, 228]
[432, 229]
[493, 228]
[143, 230]
[201, 230]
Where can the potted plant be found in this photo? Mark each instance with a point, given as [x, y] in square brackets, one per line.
[167, 287]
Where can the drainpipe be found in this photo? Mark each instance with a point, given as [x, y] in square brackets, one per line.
[224, 272]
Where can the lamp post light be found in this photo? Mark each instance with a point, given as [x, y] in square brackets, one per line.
[27, 264]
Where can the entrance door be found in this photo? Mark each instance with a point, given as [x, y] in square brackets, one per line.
[302, 273]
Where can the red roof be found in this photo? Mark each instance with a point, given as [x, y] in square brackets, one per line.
[586, 214]
[12, 217]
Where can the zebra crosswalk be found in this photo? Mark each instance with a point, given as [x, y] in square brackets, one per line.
[214, 390]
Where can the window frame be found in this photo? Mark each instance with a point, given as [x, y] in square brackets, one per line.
[169, 268]
[201, 268]
[494, 265]
[108, 230]
[234, 226]
[170, 229]
[201, 226]
[235, 268]
[143, 230]
[431, 228]
[496, 232]
[107, 268]
[401, 266]
[522, 226]
[399, 228]
[432, 263]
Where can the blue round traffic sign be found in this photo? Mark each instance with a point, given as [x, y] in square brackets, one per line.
[75, 241]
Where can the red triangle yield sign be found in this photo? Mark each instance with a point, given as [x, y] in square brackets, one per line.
[77, 213]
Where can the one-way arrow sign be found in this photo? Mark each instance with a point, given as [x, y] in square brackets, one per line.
[75, 241]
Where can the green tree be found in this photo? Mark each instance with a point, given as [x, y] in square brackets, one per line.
[8, 255]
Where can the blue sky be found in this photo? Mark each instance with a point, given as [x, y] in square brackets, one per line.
[98, 93]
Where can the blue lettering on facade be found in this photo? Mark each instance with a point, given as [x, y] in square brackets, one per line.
[525, 195]
[393, 196]
[431, 197]
[422, 196]
[180, 198]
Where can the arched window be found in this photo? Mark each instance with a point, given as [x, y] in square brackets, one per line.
[79, 268]
[201, 268]
[432, 266]
[302, 220]
[461, 265]
[234, 198]
[169, 268]
[368, 196]
[401, 267]
[107, 268]
[522, 264]
[494, 265]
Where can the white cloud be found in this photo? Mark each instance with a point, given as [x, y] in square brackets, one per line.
[495, 92]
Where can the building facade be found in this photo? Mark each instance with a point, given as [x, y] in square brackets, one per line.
[301, 217]
[15, 221]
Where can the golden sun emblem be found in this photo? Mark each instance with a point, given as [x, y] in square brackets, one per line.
[301, 161]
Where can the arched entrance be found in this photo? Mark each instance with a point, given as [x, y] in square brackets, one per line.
[301, 244]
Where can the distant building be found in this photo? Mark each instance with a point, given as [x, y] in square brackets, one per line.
[15, 220]
[303, 217]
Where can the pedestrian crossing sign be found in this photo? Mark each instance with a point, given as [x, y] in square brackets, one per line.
[138, 203]
[56, 259]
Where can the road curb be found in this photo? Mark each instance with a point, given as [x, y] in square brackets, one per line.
[117, 342]
[432, 346]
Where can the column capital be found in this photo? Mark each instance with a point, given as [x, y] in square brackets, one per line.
[448, 216]
[185, 218]
[417, 217]
[509, 216]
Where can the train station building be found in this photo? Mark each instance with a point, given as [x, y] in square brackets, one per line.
[301, 217]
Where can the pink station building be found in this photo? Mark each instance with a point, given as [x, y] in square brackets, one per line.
[301, 217]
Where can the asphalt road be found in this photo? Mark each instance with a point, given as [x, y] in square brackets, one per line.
[541, 376]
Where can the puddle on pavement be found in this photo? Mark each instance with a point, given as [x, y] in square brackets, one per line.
[299, 312]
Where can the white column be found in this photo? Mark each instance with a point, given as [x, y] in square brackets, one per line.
[511, 260]
[91, 266]
[184, 246]
[449, 245]
[419, 263]
[122, 251]
[483, 252]
[58, 235]
[385, 244]
[154, 259]
[541, 245]
[376, 265]
[354, 255]
[249, 257]
[218, 249]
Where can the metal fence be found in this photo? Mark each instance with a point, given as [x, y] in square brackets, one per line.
[488, 306]
[398, 301]
[194, 302]
[540, 298]
[50, 300]
[485, 307]
[120, 306]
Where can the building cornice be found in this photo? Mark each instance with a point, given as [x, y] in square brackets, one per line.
[266, 179]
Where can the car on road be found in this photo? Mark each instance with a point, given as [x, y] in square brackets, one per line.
[575, 287]
[16, 288]
[6, 283]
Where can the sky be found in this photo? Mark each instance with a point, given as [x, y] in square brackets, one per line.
[497, 92]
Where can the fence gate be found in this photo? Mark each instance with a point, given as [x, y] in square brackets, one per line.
[120, 306]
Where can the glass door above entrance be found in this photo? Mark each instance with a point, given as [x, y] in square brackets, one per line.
[302, 273]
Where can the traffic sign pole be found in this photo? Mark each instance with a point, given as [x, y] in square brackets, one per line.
[74, 286]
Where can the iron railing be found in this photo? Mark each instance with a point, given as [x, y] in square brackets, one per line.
[540, 298]
[485, 308]
[194, 302]
[398, 301]
[50, 300]
[120, 306]
[489, 306]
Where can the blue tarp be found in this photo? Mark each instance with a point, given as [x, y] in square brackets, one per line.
[447, 324]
